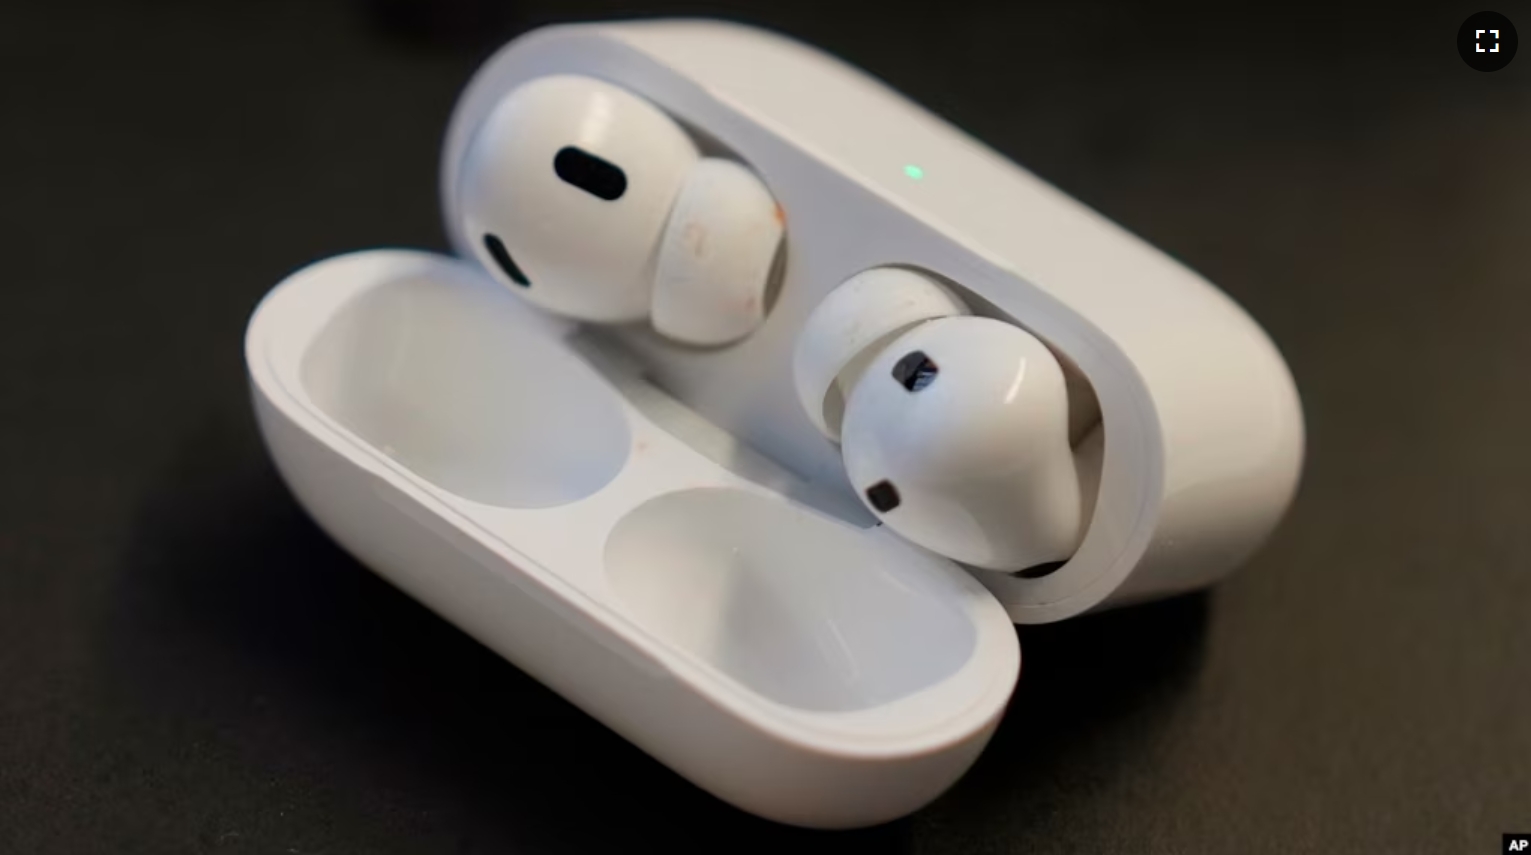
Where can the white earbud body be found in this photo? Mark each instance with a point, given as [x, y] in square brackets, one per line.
[594, 204]
[956, 436]
[575, 178]
[954, 429]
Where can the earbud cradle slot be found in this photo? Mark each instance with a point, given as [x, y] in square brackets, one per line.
[450, 380]
[805, 610]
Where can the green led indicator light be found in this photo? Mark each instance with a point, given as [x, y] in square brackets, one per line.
[914, 172]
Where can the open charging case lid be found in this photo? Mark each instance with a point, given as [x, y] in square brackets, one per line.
[700, 577]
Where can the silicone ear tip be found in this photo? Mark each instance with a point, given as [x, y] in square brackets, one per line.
[850, 327]
[716, 255]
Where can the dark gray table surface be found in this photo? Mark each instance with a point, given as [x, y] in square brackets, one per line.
[188, 665]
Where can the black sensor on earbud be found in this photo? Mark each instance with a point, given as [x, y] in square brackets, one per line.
[599, 178]
[501, 256]
[915, 371]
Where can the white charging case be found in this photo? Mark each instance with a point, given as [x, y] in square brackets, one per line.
[699, 575]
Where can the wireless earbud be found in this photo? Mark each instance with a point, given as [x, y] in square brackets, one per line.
[956, 436]
[955, 428]
[594, 204]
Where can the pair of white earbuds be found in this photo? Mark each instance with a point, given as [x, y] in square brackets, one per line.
[594, 204]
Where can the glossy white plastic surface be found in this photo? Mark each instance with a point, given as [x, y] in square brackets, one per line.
[715, 258]
[802, 668]
[810, 613]
[437, 377]
[974, 450]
